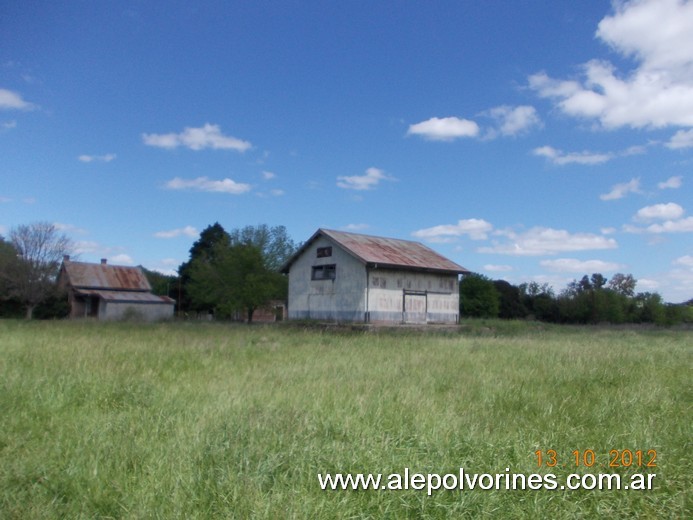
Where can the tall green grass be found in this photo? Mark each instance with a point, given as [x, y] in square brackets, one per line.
[218, 421]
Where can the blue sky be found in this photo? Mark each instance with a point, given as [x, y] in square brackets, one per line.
[536, 140]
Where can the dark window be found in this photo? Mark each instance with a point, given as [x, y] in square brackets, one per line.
[324, 252]
[324, 272]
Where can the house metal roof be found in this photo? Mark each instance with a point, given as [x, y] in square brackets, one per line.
[126, 296]
[385, 252]
[102, 276]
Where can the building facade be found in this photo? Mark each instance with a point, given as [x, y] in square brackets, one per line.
[111, 292]
[349, 277]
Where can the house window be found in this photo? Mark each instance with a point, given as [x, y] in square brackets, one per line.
[324, 272]
[324, 252]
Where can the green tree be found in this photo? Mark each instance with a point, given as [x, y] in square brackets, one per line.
[213, 238]
[30, 274]
[274, 243]
[510, 301]
[650, 308]
[9, 306]
[162, 284]
[234, 279]
[478, 297]
[540, 301]
[623, 284]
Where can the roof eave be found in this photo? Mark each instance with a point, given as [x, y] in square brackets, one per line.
[400, 267]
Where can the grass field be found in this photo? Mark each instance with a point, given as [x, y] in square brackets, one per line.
[219, 421]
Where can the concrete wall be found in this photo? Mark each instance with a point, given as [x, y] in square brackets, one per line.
[143, 311]
[428, 297]
[341, 299]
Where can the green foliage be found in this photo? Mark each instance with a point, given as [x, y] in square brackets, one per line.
[650, 308]
[478, 297]
[234, 279]
[200, 421]
[623, 284]
[55, 306]
[162, 284]
[510, 301]
[274, 243]
[211, 238]
[236, 272]
[29, 275]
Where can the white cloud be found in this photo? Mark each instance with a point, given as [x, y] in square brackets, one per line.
[9, 125]
[645, 285]
[69, 228]
[368, 181]
[444, 129]
[102, 158]
[681, 139]
[207, 136]
[114, 254]
[187, 231]
[547, 241]
[206, 184]
[87, 247]
[268, 175]
[671, 183]
[514, 120]
[122, 259]
[562, 158]
[498, 268]
[658, 35]
[355, 227]
[271, 193]
[10, 100]
[669, 211]
[476, 229]
[572, 265]
[619, 191]
[685, 261]
[672, 226]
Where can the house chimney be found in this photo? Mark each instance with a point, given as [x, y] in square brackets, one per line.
[66, 258]
[103, 261]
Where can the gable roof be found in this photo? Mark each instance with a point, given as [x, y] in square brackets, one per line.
[383, 252]
[83, 275]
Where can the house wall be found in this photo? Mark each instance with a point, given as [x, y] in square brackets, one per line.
[341, 299]
[428, 297]
[146, 312]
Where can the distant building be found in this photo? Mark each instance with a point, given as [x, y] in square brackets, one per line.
[111, 292]
[351, 277]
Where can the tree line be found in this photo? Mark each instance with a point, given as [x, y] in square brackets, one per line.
[231, 274]
[228, 274]
[589, 300]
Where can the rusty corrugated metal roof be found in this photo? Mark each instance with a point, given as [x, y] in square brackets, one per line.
[386, 252]
[103, 276]
[126, 296]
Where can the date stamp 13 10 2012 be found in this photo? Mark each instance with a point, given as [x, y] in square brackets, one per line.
[624, 458]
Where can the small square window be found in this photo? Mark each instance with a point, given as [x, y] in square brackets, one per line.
[324, 252]
[324, 272]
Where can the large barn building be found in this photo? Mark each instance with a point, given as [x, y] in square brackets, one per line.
[111, 292]
[349, 277]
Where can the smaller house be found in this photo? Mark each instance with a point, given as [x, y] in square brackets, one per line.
[351, 277]
[111, 292]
